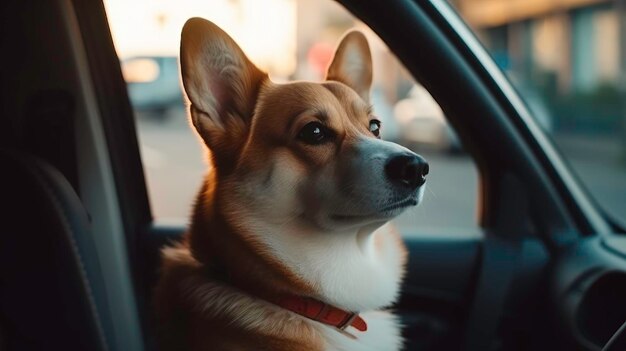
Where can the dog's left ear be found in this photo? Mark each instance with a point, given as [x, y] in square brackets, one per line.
[352, 64]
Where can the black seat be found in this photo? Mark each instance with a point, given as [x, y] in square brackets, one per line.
[51, 287]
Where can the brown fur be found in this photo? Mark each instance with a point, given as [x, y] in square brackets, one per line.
[242, 125]
[186, 327]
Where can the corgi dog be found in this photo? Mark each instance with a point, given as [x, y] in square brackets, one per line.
[288, 246]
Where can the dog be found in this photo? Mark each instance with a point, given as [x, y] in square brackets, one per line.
[288, 246]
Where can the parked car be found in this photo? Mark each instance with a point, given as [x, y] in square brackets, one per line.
[153, 84]
[422, 123]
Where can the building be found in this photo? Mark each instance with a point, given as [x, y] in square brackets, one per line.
[565, 49]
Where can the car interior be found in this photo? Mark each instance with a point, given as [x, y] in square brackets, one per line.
[79, 249]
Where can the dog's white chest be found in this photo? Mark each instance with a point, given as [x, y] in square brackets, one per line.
[383, 334]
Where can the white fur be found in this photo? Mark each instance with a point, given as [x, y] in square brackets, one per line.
[344, 266]
[217, 300]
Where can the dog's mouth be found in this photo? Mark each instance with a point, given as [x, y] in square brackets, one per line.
[404, 203]
[387, 211]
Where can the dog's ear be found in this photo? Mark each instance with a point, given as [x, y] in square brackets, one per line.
[352, 64]
[221, 84]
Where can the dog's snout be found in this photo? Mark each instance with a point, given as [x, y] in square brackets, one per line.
[407, 170]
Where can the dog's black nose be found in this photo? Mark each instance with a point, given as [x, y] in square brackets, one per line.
[407, 170]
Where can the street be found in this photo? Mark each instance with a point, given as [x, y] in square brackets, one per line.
[174, 163]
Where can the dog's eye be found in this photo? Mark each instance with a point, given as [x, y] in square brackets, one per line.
[314, 133]
[375, 127]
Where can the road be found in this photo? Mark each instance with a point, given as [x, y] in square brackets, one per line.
[175, 162]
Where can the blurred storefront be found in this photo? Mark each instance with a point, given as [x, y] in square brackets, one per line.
[570, 51]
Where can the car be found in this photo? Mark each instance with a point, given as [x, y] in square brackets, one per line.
[79, 257]
[153, 84]
[423, 124]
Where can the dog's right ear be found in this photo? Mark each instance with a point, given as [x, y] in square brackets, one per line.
[352, 64]
[221, 84]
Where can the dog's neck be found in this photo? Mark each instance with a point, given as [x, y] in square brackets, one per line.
[357, 270]
[221, 246]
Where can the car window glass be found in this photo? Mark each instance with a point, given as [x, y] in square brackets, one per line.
[292, 40]
[567, 59]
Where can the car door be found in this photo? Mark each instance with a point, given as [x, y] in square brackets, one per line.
[506, 284]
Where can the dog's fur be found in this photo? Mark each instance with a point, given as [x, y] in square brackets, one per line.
[276, 215]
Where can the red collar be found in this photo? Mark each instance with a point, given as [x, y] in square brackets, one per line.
[316, 310]
[321, 312]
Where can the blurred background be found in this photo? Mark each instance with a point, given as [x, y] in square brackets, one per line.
[567, 58]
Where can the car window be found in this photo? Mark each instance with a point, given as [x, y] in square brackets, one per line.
[568, 61]
[292, 40]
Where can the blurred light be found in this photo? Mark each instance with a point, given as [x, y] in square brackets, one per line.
[140, 70]
[319, 56]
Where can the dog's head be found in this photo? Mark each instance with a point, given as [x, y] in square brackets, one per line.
[305, 153]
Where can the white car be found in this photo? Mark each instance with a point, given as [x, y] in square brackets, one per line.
[422, 122]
